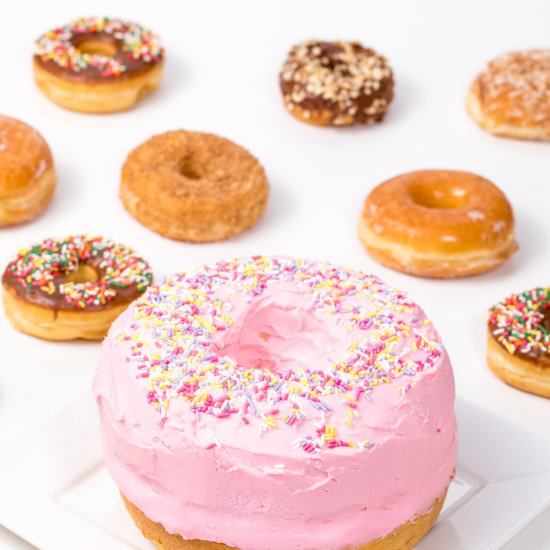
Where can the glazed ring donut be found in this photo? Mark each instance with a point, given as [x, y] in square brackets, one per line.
[194, 187]
[336, 83]
[518, 346]
[27, 174]
[63, 289]
[97, 64]
[511, 97]
[438, 223]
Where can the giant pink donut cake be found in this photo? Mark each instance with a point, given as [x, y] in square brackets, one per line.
[271, 403]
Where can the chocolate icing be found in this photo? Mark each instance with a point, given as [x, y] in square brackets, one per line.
[57, 300]
[534, 355]
[335, 95]
[91, 73]
[136, 50]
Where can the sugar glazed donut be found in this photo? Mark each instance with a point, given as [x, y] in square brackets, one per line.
[511, 97]
[336, 83]
[27, 173]
[518, 348]
[63, 289]
[97, 64]
[194, 187]
[270, 403]
[438, 223]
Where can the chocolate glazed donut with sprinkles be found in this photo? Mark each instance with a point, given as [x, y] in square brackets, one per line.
[519, 340]
[98, 64]
[63, 289]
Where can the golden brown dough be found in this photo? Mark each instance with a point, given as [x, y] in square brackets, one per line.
[524, 375]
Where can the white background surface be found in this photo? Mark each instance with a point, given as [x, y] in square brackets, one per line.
[221, 77]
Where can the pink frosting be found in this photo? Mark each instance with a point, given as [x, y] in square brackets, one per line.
[267, 483]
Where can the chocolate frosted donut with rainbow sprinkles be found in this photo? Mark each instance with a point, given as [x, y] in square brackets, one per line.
[265, 403]
[98, 64]
[518, 349]
[64, 289]
[336, 83]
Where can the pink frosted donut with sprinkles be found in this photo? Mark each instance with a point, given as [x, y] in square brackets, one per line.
[519, 340]
[255, 401]
[98, 64]
[62, 289]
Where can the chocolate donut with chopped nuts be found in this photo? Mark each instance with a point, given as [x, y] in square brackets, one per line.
[336, 83]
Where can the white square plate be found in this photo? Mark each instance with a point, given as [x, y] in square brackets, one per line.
[56, 494]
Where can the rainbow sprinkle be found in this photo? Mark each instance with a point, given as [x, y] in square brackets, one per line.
[45, 266]
[518, 322]
[173, 349]
[136, 43]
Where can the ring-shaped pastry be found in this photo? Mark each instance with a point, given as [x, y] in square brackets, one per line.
[518, 347]
[98, 64]
[63, 289]
[192, 186]
[438, 223]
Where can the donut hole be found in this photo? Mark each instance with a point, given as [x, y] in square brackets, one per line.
[280, 332]
[83, 274]
[189, 168]
[96, 46]
[438, 196]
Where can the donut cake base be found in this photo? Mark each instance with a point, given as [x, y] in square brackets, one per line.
[27, 206]
[98, 97]
[58, 325]
[502, 129]
[181, 230]
[404, 259]
[522, 374]
[404, 537]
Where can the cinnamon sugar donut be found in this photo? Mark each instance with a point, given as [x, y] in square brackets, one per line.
[64, 289]
[511, 97]
[98, 64]
[518, 345]
[336, 83]
[438, 223]
[192, 186]
[27, 174]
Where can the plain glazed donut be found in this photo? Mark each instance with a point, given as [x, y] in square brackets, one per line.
[27, 174]
[252, 403]
[336, 83]
[64, 289]
[98, 64]
[518, 346]
[438, 223]
[194, 187]
[511, 97]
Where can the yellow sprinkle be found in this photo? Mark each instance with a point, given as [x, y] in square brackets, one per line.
[269, 420]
